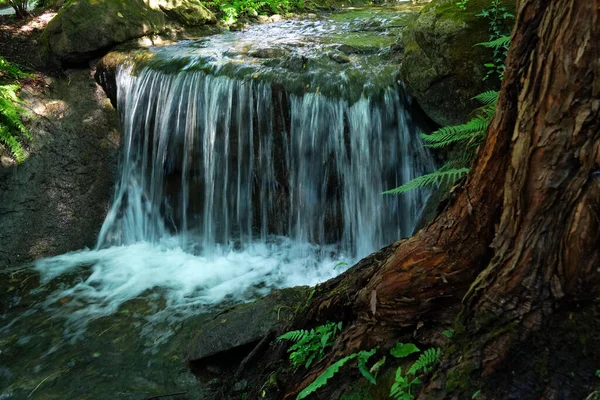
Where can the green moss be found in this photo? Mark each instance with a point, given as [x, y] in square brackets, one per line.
[459, 379]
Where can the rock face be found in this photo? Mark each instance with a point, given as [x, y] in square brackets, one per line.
[440, 62]
[187, 12]
[56, 200]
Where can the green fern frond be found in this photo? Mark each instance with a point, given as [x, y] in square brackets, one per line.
[294, 336]
[489, 97]
[502, 41]
[457, 133]
[363, 357]
[325, 376]
[11, 70]
[425, 361]
[435, 178]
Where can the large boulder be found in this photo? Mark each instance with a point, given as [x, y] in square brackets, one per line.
[186, 12]
[85, 29]
[440, 62]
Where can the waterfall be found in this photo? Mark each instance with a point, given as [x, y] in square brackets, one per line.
[229, 188]
[216, 161]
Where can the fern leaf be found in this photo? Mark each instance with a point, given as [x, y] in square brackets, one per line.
[325, 376]
[402, 350]
[294, 336]
[435, 178]
[457, 133]
[425, 361]
[489, 97]
[363, 357]
[501, 42]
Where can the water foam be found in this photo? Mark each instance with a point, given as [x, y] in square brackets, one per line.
[221, 198]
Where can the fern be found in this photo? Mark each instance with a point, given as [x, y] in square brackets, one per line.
[321, 380]
[435, 178]
[12, 129]
[489, 97]
[403, 384]
[363, 357]
[294, 336]
[325, 376]
[310, 345]
[501, 42]
[425, 361]
[471, 132]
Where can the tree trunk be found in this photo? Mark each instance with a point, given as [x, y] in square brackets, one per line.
[547, 245]
[20, 7]
[520, 239]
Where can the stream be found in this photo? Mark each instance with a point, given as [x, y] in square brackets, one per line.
[251, 161]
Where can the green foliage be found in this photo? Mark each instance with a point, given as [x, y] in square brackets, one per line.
[310, 345]
[469, 135]
[401, 350]
[404, 383]
[321, 380]
[230, 10]
[487, 98]
[462, 4]
[598, 373]
[425, 361]
[448, 333]
[445, 174]
[12, 130]
[499, 20]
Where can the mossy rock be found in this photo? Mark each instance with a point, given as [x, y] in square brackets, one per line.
[85, 29]
[440, 62]
[187, 12]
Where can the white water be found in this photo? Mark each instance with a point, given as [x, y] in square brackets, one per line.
[220, 199]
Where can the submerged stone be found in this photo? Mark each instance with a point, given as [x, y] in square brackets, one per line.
[246, 323]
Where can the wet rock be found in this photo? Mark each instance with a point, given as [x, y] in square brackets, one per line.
[346, 49]
[440, 62]
[187, 12]
[262, 19]
[246, 323]
[268, 52]
[339, 57]
[275, 18]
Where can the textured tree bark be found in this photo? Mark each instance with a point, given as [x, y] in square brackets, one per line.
[519, 237]
[547, 245]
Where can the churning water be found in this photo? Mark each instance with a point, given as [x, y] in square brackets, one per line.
[231, 187]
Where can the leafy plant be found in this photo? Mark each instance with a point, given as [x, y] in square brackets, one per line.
[310, 345]
[363, 356]
[448, 333]
[12, 130]
[230, 10]
[401, 350]
[462, 4]
[470, 135]
[498, 16]
[404, 383]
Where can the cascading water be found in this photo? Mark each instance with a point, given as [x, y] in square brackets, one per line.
[211, 160]
[230, 185]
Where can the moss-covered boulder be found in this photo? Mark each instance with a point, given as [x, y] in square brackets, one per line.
[187, 12]
[85, 29]
[440, 62]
